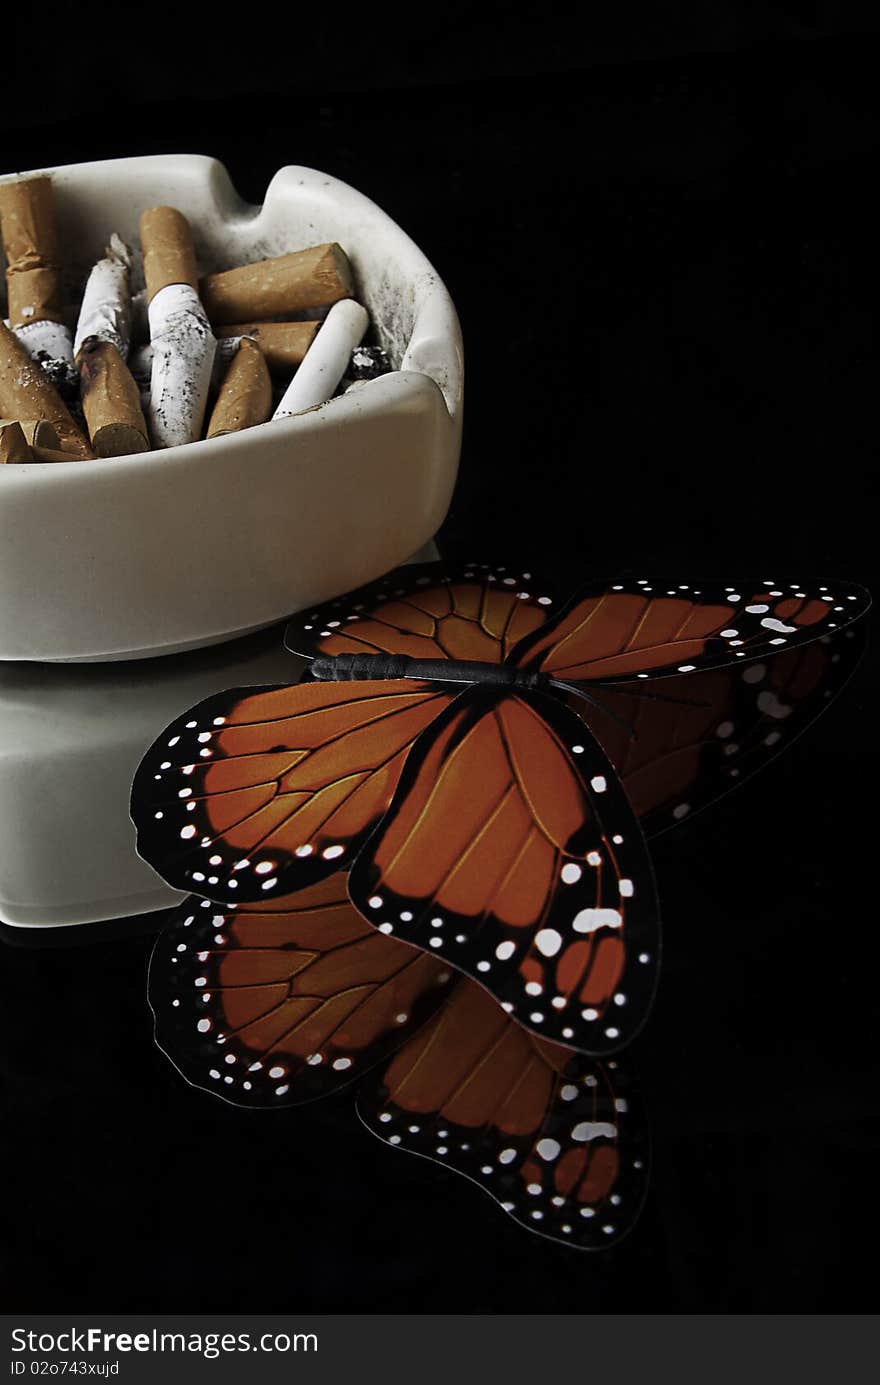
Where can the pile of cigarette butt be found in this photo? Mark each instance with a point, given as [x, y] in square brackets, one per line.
[189, 357]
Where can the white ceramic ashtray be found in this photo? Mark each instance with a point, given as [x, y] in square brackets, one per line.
[168, 550]
[70, 741]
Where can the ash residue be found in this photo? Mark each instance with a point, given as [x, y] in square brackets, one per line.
[63, 376]
[367, 362]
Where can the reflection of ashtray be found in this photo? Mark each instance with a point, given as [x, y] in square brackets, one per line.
[158, 552]
[70, 739]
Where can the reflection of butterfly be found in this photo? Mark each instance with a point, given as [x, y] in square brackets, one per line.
[489, 824]
[290, 999]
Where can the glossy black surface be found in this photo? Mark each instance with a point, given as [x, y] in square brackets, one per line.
[666, 264]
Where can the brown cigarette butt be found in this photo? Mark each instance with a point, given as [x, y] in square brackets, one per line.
[38, 432]
[51, 454]
[284, 344]
[245, 396]
[27, 225]
[169, 253]
[13, 444]
[27, 392]
[312, 278]
[111, 401]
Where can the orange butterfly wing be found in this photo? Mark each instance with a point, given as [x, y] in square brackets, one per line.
[654, 628]
[266, 790]
[510, 850]
[428, 611]
[558, 1140]
[285, 1001]
[723, 726]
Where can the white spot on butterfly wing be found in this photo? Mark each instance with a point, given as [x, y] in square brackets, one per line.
[588, 920]
[770, 704]
[585, 1131]
[548, 942]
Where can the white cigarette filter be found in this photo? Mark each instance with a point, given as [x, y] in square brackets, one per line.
[327, 359]
[183, 349]
[141, 361]
[46, 341]
[106, 304]
[50, 346]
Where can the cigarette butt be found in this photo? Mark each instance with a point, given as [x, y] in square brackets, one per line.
[51, 454]
[169, 253]
[27, 225]
[246, 393]
[38, 432]
[13, 444]
[105, 311]
[33, 277]
[287, 284]
[111, 401]
[284, 344]
[183, 358]
[180, 335]
[327, 360]
[26, 392]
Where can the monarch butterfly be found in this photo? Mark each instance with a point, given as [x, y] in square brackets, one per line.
[488, 825]
[286, 1000]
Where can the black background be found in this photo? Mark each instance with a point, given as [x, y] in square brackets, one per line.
[661, 233]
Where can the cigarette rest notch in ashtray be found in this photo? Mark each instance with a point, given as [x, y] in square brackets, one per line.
[159, 552]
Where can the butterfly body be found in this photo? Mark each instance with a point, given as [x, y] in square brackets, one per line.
[340, 668]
